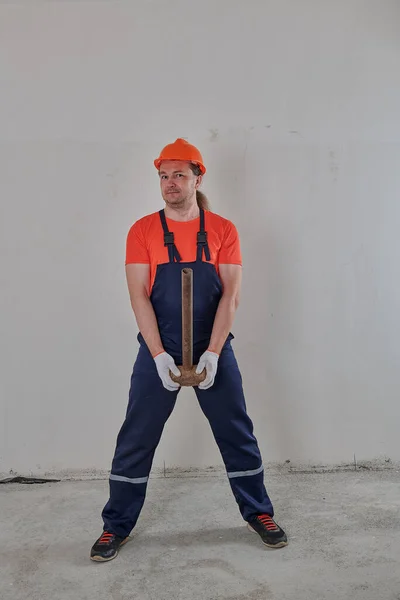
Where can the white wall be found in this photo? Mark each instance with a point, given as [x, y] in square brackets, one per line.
[295, 106]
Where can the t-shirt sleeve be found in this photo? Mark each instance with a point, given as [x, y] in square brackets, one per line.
[230, 252]
[136, 249]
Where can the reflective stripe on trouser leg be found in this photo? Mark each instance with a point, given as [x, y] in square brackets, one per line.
[236, 474]
[149, 407]
[128, 479]
[225, 407]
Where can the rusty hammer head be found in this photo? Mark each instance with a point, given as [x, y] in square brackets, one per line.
[188, 376]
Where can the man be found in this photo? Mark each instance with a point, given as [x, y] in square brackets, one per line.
[185, 234]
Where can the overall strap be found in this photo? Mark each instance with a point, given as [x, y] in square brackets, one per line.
[173, 253]
[202, 243]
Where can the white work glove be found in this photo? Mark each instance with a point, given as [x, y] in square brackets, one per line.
[165, 363]
[209, 362]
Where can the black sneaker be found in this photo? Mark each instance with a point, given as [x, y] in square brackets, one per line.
[107, 546]
[269, 531]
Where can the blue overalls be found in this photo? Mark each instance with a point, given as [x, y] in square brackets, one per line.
[150, 404]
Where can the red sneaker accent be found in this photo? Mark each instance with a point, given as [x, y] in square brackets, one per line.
[106, 538]
[268, 522]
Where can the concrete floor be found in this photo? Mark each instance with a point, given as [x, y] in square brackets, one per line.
[191, 544]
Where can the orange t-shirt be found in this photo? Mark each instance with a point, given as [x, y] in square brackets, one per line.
[145, 241]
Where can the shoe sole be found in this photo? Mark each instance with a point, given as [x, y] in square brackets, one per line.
[101, 559]
[273, 546]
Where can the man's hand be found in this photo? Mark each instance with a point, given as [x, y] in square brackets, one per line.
[165, 363]
[209, 362]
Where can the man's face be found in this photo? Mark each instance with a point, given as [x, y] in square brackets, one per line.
[178, 182]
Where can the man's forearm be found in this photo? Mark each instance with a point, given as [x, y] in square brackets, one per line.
[147, 323]
[223, 322]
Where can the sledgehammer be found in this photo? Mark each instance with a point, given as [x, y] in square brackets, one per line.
[188, 376]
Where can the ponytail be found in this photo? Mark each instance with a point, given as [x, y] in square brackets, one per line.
[202, 200]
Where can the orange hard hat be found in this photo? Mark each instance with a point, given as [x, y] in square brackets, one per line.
[181, 150]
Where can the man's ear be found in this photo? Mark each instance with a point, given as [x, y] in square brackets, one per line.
[199, 179]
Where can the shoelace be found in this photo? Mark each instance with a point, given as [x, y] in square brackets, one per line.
[106, 538]
[268, 522]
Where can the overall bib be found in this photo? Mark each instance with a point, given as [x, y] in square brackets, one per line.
[150, 404]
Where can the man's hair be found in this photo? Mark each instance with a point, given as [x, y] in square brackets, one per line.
[202, 200]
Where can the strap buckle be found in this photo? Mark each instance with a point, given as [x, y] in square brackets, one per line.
[169, 238]
[202, 238]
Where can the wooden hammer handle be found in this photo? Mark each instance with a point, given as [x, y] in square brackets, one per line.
[187, 318]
